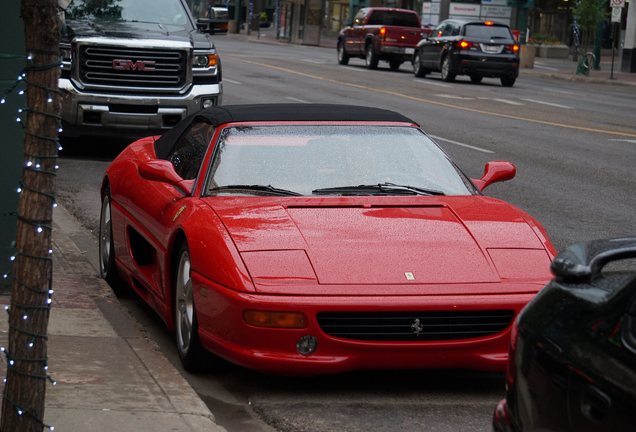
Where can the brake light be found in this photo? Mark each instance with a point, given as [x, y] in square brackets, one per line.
[382, 31]
[515, 48]
[488, 23]
[465, 44]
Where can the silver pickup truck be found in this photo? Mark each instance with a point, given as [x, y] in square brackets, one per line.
[135, 67]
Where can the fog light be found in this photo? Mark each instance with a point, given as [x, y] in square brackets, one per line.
[207, 103]
[306, 345]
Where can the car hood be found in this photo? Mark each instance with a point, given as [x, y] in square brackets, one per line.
[126, 30]
[377, 242]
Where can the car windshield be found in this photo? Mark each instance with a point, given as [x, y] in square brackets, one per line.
[310, 159]
[487, 31]
[167, 12]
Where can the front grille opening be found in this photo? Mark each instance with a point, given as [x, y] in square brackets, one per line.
[92, 117]
[124, 67]
[170, 120]
[134, 109]
[414, 326]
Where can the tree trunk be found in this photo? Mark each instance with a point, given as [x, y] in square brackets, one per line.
[24, 392]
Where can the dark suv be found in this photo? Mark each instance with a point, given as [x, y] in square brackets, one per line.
[474, 48]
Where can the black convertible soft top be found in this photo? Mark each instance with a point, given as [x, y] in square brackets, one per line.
[275, 112]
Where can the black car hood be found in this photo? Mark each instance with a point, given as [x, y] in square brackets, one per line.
[134, 30]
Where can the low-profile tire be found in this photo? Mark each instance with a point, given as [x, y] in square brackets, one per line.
[446, 70]
[107, 269]
[186, 327]
[343, 57]
[476, 79]
[418, 70]
[395, 64]
[508, 81]
[370, 58]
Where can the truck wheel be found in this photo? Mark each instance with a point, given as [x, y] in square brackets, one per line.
[395, 64]
[447, 74]
[508, 81]
[343, 57]
[418, 70]
[370, 58]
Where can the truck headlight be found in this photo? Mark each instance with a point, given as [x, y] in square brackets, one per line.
[205, 60]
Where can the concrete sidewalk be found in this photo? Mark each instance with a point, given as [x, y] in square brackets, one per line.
[110, 377]
[562, 69]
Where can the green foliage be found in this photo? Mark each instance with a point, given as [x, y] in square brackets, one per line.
[589, 13]
[542, 39]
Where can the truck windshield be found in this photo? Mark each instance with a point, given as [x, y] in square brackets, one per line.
[170, 12]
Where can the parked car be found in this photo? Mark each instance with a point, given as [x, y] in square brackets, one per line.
[463, 47]
[380, 34]
[573, 350]
[311, 239]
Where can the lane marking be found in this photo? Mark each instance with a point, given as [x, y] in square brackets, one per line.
[623, 140]
[547, 103]
[449, 96]
[436, 103]
[357, 69]
[429, 82]
[231, 81]
[297, 100]
[479, 149]
[506, 101]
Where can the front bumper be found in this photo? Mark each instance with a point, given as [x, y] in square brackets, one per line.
[223, 331]
[94, 113]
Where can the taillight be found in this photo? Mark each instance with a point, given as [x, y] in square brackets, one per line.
[382, 31]
[514, 48]
[465, 44]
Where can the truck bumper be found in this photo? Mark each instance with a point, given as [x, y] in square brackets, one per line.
[92, 113]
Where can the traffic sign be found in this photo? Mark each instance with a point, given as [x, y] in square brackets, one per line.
[616, 14]
[617, 3]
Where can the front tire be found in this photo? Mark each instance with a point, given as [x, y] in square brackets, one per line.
[418, 70]
[370, 58]
[394, 65]
[343, 57]
[107, 268]
[189, 347]
[447, 73]
[508, 81]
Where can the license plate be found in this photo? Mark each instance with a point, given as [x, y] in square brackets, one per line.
[409, 50]
[492, 49]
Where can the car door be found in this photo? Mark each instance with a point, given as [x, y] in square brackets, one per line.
[355, 41]
[154, 206]
[431, 47]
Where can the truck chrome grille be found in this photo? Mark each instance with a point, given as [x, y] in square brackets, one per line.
[123, 67]
[414, 326]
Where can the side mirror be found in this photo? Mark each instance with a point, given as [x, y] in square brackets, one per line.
[162, 171]
[494, 172]
[212, 25]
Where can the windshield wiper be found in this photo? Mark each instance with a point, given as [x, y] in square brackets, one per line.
[380, 188]
[260, 188]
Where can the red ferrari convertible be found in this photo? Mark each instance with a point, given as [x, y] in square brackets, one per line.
[310, 239]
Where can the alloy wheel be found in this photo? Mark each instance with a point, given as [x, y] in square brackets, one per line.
[184, 303]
